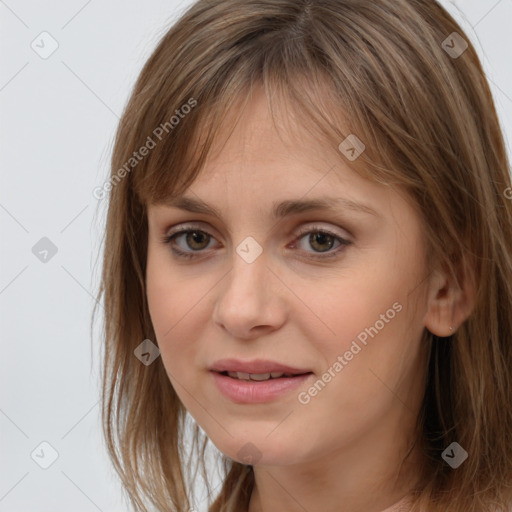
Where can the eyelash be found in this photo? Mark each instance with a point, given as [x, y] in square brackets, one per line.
[169, 239]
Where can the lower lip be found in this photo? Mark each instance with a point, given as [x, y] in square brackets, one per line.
[254, 392]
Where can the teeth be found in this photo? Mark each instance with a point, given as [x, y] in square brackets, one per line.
[258, 376]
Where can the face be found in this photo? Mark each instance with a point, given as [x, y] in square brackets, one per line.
[338, 291]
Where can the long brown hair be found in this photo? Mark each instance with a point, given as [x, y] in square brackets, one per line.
[393, 73]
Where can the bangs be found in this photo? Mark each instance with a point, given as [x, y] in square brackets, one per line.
[301, 101]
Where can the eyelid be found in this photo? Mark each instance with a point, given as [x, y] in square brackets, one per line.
[182, 229]
[303, 230]
[312, 226]
[185, 226]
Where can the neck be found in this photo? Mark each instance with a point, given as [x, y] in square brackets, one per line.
[367, 476]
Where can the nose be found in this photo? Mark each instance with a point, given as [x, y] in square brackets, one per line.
[251, 299]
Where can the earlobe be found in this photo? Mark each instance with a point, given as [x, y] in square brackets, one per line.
[449, 303]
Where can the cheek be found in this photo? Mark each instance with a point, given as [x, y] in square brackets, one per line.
[175, 331]
[179, 302]
[354, 302]
[170, 302]
[373, 324]
[170, 293]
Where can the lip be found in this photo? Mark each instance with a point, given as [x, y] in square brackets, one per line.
[254, 392]
[254, 366]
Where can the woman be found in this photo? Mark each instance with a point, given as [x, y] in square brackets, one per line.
[308, 249]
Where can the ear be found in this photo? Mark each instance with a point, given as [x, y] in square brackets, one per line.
[449, 302]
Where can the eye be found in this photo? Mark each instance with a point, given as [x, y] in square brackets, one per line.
[194, 240]
[322, 241]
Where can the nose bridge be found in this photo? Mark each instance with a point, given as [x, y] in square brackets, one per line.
[249, 270]
[248, 296]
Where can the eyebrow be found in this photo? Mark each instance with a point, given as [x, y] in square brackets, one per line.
[279, 210]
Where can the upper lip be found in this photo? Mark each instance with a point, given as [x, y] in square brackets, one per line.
[254, 366]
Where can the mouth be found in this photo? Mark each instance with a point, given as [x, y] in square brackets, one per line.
[258, 388]
[261, 377]
[256, 369]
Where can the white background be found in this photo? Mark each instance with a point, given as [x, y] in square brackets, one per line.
[58, 117]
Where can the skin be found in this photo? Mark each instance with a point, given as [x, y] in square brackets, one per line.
[343, 449]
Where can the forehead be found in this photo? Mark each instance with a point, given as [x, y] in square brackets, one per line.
[276, 160]
[258, 135]
[273, 159]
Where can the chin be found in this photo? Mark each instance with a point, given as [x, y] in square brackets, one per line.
[259, 451]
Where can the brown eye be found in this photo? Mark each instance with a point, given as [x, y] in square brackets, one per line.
[321, 241]
[196, 239]
[317, 241]
[186, 242]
